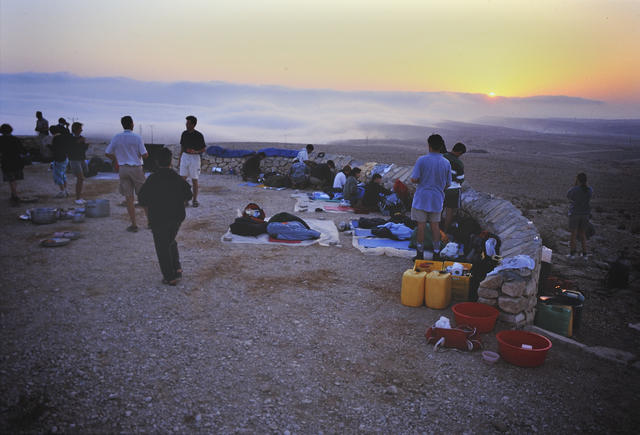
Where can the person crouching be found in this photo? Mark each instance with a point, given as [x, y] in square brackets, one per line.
[165, 194]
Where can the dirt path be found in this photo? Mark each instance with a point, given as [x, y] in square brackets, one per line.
[253, 339]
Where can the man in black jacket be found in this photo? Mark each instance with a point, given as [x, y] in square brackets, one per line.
[165, 194]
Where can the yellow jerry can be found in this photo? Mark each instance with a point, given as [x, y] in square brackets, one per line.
[412, 293]
[437, 290]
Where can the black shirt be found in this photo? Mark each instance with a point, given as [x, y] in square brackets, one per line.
[192, 139]
[372, 191]
[165, 193]
[252, 165]
[60, 145]
[11, 149]
[77, 148]
[323, 172]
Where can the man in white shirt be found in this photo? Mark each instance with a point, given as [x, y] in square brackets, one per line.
[341, 178]
[127, 150]
[303, 154]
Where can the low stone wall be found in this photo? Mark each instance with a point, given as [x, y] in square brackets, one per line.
[514, 292]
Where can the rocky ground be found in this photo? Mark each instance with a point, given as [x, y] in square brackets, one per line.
[292, 340]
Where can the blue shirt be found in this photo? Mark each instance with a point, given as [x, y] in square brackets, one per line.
[433, 173]
[579, 200]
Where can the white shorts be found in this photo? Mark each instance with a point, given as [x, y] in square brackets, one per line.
[190, 166]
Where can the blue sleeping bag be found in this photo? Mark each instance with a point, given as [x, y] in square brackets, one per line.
[293, 230]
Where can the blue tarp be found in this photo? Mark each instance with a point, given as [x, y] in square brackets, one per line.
[217, 151]
[279, 152]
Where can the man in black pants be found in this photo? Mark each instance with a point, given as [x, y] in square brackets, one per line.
[165, 194]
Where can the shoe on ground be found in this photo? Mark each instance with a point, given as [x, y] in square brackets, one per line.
[132, 229]
[80, 201]
[170, 281]
[60, 194]
[571, 256]
[195, 203]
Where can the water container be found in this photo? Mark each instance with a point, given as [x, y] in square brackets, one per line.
[44, 215]
[412, 294]
[437, 290]
[97, 208]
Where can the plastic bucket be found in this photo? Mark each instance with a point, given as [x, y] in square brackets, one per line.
[44, 215]
[510, 347]
[97, 208]
[481, 316]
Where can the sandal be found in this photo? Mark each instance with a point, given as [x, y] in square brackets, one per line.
[170, 282]
[132, 229]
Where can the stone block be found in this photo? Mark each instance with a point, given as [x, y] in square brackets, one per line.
[488, 293]
[514, 288]
[531, 302]
[531, 289]
[512, 305]
[492, 281]
[488, 301]
[514, 319]
[529, 316]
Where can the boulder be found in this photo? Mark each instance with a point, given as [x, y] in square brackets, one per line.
[512, 305]
[492, 281]
[514, 288]
[488, 293]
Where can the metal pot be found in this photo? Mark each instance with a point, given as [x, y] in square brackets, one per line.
[44, 215]
[97, 208]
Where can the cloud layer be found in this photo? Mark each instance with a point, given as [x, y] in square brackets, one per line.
[232, 112]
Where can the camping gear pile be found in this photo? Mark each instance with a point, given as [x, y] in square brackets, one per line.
[280, 227]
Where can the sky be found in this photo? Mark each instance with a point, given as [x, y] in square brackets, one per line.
[509, 48]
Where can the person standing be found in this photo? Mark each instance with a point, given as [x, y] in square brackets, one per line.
[192, 146]
[77, 159]
[12, 164]
[579, 210]
[60, 149]
[165, 194]
[432, 174]
[42, 127]
[126, 150]
[452, 194]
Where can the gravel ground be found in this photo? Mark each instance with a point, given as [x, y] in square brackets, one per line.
[266, 339]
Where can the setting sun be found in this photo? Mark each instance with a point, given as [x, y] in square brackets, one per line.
[491, 94]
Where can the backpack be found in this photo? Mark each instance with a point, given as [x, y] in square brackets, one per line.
[276, 180]
[390, 205]
[618, 274]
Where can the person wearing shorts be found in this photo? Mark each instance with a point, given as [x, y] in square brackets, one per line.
[77, 159]
[126, 150]
[432, 174]
[192, 146]
[452, 194]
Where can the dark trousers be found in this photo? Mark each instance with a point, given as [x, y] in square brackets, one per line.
[164, 237]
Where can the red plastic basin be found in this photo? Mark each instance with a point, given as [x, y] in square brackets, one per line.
[481, 316]
[511, 350]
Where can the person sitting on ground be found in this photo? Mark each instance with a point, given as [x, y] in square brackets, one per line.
[165, 194]
[341, 178]
[322, 174]
[350, 192]
[452, 194]
[579, 210]
[303, 154]
[299, 175]
[12, 164]
[60, 145]
[251, 167]
[77, 159]
[374, 191]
